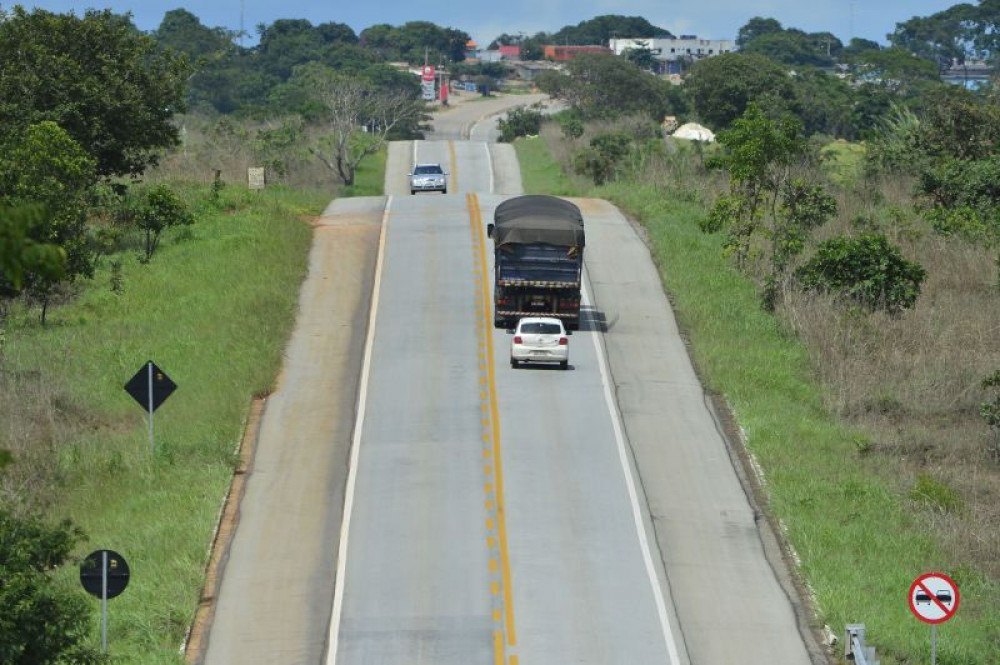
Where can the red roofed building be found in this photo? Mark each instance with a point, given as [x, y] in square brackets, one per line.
[564, 53]
[512, 52]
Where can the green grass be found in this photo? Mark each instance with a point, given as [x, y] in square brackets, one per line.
[859, 544]
[539, 173]
[370, 177]
[214, 309]
[843, 161]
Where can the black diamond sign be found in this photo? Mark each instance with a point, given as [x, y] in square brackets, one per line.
[138, 386]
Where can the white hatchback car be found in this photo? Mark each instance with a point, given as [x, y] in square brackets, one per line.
[539, 339]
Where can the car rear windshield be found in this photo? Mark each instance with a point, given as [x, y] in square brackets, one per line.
[541, 328]
[427, 170]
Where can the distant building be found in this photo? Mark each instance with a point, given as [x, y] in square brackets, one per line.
[685, 47]
[529, 71]
[565, 53]
[471, 50]
[512, 52]
[489, 56]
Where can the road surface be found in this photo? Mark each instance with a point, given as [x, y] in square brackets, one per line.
[416, 500]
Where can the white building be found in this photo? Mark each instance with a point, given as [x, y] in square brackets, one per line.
[685, 47]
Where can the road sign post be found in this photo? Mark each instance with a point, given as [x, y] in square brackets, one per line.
[933, 599]
[108, 582]
[150, 387]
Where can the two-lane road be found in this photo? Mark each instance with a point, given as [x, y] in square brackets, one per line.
[424, 502]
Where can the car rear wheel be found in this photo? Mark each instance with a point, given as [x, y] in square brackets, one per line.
[564, 364]
[515, 364]
[444, 191]
[412, 192]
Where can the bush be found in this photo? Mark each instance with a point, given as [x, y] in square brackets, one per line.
[591, 162]
[41, 622]
[867, 270]
[520, 122]
[601, 158]
[160, 208]
[572, 126]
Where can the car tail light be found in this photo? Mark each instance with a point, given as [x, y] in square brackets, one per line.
[563, 341]
[518, 340]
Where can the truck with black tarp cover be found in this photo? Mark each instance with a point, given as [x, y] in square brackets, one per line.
[538, 259]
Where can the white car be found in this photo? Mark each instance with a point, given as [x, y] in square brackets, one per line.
[539, 339]
[428, 178]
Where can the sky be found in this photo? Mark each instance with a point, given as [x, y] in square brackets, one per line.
[485, 20]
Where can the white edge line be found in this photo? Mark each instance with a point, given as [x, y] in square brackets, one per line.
[654, 580]
[352, 473]
[489, 160]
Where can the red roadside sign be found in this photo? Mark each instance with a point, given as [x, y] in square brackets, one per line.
[933, 598]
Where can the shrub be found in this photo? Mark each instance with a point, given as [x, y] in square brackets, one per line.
[592, 163]
[520, 122]
[572, 126]
[866, 269]
[158, 209]
[42, 622]
[601, 158]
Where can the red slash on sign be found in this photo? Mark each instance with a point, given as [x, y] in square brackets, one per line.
[934, 598]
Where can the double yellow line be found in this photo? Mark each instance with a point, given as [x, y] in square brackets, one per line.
[505, 635]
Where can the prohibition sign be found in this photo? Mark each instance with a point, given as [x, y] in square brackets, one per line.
[934, 598]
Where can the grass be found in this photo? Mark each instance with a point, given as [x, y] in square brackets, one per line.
[859, 542]
[213, 309]
[539, 173]
[370, 177]
[844, 161]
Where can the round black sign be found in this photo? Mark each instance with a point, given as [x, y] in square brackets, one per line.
[91, 573]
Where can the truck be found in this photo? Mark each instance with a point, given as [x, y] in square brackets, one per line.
[538, 244]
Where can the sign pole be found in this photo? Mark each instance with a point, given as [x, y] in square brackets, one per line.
[933, 644]
[104, 601]
[149, 371]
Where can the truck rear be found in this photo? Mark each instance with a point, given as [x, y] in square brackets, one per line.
[538, 244]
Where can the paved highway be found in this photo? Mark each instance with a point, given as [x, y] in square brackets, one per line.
[466, 512]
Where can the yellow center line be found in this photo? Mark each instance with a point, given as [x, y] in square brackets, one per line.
[496, 472]
[453, 185]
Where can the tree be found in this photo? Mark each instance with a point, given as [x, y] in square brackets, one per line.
[111, 88]
[758, 154]
[757, 27]
[359, 116]
[642, 58]
[791, 47]
[414, 40]
[605, 85]
[42, 622]
[601, 29]
[948, 35]
[46, 167]
[183, 32]
[20, 254]
[721, 88]
[895, 69]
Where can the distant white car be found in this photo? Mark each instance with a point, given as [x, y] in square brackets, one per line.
[539, 339]
[428, 178]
